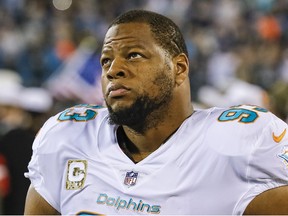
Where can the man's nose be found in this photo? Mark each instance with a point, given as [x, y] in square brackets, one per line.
[117, 70]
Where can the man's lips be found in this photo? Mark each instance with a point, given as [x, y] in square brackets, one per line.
[117, 90]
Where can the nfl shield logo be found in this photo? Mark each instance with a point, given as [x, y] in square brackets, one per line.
[130, 178]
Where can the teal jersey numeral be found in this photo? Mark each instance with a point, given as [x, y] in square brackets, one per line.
[240, 114]
[76, 115]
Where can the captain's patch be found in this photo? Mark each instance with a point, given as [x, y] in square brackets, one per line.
[76, 174]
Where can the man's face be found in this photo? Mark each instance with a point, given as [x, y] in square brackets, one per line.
[137, 75]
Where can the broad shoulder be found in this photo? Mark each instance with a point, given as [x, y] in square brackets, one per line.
[246, 117]
[70, 123]
[243, 114]
[236, 130]
[76, 116]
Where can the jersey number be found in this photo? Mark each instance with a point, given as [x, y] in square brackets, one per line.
[241, 114]
[75, 114]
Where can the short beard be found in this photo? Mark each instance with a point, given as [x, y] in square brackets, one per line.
[145, 112]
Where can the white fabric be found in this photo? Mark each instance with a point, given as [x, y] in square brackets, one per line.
[211, 165]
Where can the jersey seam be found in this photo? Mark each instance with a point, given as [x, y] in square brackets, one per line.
[258, 143]
[248, 170]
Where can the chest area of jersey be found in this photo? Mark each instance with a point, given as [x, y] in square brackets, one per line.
[99, 188]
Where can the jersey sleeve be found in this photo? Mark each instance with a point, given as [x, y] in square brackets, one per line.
[42, 168]
[268, 161]
[56, 143]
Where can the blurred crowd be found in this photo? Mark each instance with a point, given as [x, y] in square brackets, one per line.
[49, 59]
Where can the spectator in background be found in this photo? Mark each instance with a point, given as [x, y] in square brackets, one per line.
[16, 145]
[11, 117]
[279, 100]
[236, 92]
[10, 87]
[226, 39]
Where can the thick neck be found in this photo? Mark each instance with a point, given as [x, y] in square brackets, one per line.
[140, 145]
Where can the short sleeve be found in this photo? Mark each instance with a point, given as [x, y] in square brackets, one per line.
[43, 170]
[268, 162]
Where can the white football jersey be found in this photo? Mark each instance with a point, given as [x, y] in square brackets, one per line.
[215, 163]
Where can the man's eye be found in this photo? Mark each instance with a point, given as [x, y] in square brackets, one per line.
[105, 61]
[134, 55]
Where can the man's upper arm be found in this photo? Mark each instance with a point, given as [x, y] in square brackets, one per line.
[270, 202]
[37, 205]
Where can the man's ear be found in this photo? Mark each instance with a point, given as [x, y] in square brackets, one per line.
[181, 63]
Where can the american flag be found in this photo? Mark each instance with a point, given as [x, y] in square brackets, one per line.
[78, 78]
